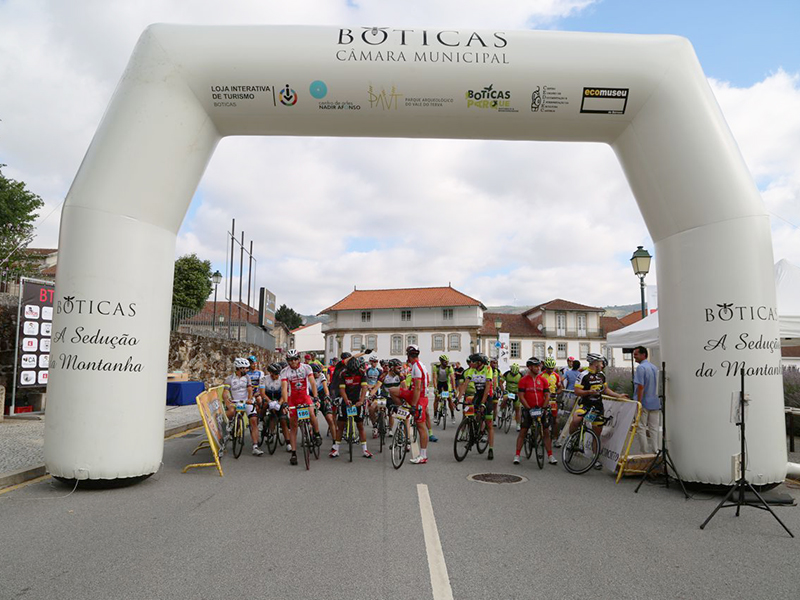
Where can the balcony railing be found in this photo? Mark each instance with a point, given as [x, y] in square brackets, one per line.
[572, 333]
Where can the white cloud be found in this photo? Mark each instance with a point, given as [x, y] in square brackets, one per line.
[506, 222]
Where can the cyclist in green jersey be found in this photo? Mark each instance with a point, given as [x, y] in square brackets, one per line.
[477, 389]
[510, 381]
[444, 380]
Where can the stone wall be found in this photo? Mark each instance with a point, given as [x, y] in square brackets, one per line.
[210, 359]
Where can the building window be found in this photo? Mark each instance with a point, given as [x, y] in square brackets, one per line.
[411, 338]
[405, 315]
[366, 316]
[397, 344]
[437, 342]
[355, 342]
[372, 342]
[561, 350]
[447, 314]
[538, 350]
[561, 324]
[581, 324]
[608, 353]
[332, 345]
[454, 341]
[584, 350]
[516, 349]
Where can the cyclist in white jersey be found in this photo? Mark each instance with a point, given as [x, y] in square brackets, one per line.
[236, 389]
[270, 389]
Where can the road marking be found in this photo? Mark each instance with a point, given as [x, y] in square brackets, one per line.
[18, 486]
[440, 580]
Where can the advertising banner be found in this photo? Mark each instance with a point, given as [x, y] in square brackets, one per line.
[503, 352]
[212, 411]
[35, 329]
[617, 434]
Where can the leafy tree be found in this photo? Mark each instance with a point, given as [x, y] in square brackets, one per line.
[288, 317]
[18, 208]
[192, 283]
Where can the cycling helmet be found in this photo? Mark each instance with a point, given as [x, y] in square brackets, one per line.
[241, 363]
[571, 360]
[274, 368]
[533, 361]
[345, 355]
[444, 358]
[283, 364]
[549, 363]
[374, 359]
[354, 364]
[292, 355]
[252, 358]
[316, 368]
[515, 368]
[413, 349]
[592, 357]
[483, 358]
[395, 362]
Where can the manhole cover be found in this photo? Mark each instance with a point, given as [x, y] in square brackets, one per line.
[496, 478]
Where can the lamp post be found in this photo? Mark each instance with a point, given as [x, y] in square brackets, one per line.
[216, 278]
[498, 323]
[550, 351]
[640, 261]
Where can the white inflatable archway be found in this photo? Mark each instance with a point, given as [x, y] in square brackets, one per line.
[186, 86]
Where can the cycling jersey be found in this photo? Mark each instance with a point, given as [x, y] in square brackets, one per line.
[459, 373]
[320, 379]
[553, 379]
[533, 389]
[271, 387]
[596, 382]
[255, 377]
[372, 374]
[353, 382]
[477, 380]
[237, 387]
[297, 380]
[512, 381]
[419, 381]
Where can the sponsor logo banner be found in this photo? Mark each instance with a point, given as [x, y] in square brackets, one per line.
[604, 101]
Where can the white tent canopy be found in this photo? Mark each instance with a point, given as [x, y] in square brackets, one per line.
[787, 281]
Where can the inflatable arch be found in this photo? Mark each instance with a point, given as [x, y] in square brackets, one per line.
[187, 86]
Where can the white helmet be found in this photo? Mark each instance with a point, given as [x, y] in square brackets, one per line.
[241, 363]
[292, 354]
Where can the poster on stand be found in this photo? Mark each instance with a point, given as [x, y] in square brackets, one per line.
[35, 327]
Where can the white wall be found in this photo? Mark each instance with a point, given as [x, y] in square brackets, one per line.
[309, 338]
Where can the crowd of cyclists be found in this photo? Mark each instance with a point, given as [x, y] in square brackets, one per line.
[363, 380]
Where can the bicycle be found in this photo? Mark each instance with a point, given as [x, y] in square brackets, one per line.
[440, 416]
[470, 432]
[382, 420]
[350, 433]
[403, 424]
[271, 431]
[506, 413]
[237, 436]
[582, 448]
[534, 438]
[307, 440]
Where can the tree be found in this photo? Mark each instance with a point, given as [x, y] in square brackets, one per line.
[288, 317]
[192, 283]
[18, 208]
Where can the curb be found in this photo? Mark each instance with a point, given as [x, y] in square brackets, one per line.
[23, 475]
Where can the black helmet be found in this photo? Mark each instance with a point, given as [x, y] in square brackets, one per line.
[345, 355]
[592, 357]
[274, 368]
[354, 364]
[474, 358]
[483, 358]
[533, 361]
[283, 364]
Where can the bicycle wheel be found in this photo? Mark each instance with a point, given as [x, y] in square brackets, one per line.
[351, 434]
[381, 429]
[483, 437]
[509, 416]
[271, 429]
[279, 432]
[398, 446]
[238, 434]
[528, 443]
[314, 445]
[580, 452]
[437, 414]
[463, 440]
[306, 441]
[538, 444]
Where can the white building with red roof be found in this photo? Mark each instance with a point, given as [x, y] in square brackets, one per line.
[440, 320]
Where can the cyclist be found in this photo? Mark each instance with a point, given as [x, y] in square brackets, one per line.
[392, 378]
[444, 378]
[416, 397]
[324, 398]
[296, 379]
[590, 390]
[270, 390]
[372, 373]
[476, 389]
[237, 388]
[254, 374]
[571, 376]
[353, 391]
[458, 371]
[534, 392]
[556, 387]
[510, 381]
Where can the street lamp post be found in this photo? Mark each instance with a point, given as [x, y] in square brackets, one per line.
[216, 278]
[640, 261]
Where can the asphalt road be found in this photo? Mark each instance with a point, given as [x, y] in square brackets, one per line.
[351, 531]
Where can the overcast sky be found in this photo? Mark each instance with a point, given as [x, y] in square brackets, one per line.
[326, 214]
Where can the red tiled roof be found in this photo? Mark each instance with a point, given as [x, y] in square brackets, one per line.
[609, 324]
[41, 251]
[222, 310]
[403, 298]
[631, 318]
[516, 325]
[559, 304]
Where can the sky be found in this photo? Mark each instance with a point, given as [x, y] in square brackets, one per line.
[334, 219]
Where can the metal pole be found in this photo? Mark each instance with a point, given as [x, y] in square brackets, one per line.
[241, 273]
[641, 281]
[214, 318]
[230, 279]
[249, 273]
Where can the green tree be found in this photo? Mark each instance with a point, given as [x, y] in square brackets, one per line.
[192, 283]
[18, 208]
[288, 317]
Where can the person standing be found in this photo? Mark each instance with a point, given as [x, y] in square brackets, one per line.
[645, 388]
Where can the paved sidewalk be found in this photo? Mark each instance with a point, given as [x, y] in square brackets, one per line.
[22, 442]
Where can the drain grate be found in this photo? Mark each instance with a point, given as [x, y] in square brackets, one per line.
[496, 478]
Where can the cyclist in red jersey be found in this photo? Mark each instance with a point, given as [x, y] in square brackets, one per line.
[534, 392]
[296, 380]
[416, 397]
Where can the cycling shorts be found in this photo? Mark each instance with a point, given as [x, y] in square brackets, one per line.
[408, 395]
[300, 399]
[251, 409]
[488, 411]
[325, 406]
[443, 386]
[527, 419]
[341, 413]
[586, 405]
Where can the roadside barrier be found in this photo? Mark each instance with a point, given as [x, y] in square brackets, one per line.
[209, 403]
